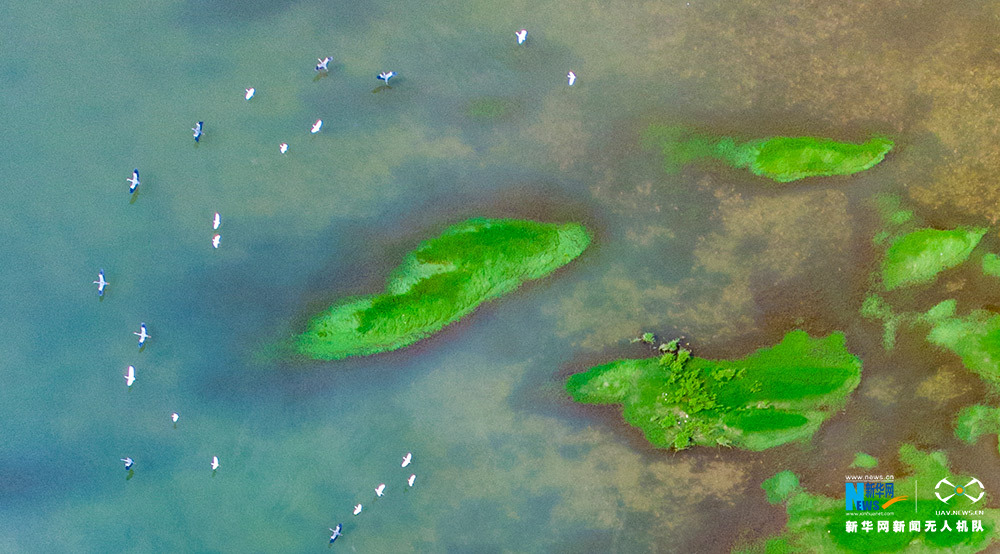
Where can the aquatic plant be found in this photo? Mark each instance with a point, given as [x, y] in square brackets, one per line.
[917, 257]
[818, 523]
[863, 460]
[975, 337]
[442, 280]
[991, 264]
[974, 421]
[770, 397]
[782, 159]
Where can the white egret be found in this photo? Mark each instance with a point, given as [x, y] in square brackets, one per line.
[129, 376]
[215, 240]
[134, 181]
[215, 463]
[216, 221]
[198, 130]
[336, 532]
[521, 35]
[250, 93]
[142, 335]
[571, 77]
[316, 126]
[101, 283]
[323, 62]
[380, 490]
[357, 509]
[174, 417]
[407, 459]
[411, 480]
[385, 76]
[128, 462]
[283, 147]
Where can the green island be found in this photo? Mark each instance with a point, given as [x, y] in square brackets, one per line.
[818, 523]
[917, 257]
[863, 460]
[975, 421]
[768, 398]
[442, 280]
[782, 159]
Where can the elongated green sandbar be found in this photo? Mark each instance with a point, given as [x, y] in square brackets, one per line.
[442, 280]
[782, 159]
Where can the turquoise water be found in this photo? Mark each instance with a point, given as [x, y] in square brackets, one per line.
[504, 462]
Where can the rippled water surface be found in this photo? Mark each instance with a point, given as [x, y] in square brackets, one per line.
[473, 125]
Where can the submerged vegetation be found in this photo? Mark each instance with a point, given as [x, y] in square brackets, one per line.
[444, 279]
[917, 257]
[770, 397]
[818, 523]
[782, 159]
[975, 337]
[863, 460]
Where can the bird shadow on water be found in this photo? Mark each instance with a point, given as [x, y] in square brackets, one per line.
[380, 88]
[131, 473]
[135, 196]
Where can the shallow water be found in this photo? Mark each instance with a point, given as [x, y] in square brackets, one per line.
[504, 461]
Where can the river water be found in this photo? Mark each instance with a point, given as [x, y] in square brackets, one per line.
[504, 461]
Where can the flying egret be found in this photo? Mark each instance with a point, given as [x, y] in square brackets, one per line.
[407, 459]
[385, 76]
[215, 463]
[283, 147]
[216, 221]
[174, 417]
[411, 480]
[322, 65]
[129, 376]
[134, 181]
[250, 93]
[142, 335]
[316, 126]
[215, 240]
[357, 509]
[336, 532]
[571, 77]
[198, 130]
[521, 35]
[128, 462]
[380, 490]
[101, 283]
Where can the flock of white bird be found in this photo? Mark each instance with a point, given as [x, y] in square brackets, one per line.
[134, 182]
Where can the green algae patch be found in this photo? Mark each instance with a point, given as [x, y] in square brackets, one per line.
[991, 264]
[770, 397]
[865, 461]
[444, 279]
[782, 159]
[975, 338]
[781, 486]
[975, 421]
[917, 257]
[818, 523]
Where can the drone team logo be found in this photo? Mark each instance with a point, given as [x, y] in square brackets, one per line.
[959, 491]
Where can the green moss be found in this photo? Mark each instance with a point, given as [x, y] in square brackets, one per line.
[444, 279]
[918, 257]
[781, 159]
[780, 486]
[974, 337]
[991, 264]
[770, 397]
[864, 461]
[818, 523]
[974, 421]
